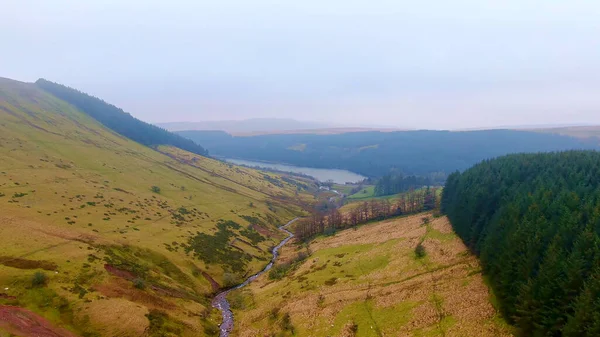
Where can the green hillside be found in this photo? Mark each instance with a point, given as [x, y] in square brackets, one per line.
[98, 229]
[118, 120]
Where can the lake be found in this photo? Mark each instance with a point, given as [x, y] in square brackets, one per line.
[338, 176]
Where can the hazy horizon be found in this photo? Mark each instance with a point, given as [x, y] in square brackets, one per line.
[432, 64]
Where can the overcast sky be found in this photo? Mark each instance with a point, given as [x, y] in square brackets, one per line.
[417, 64]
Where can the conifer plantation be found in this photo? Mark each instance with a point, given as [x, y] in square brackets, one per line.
[534, 220]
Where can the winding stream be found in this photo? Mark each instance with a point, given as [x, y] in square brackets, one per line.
[220, 301]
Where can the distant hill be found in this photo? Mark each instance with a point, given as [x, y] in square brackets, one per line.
[590, 132]
[118, 120]
[253, 125]
[378, 153]
[322, 131]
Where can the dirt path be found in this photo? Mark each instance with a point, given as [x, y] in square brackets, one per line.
[220, 301]
[22, 322]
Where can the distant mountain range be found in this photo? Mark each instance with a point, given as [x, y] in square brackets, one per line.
[247, 125]
[265, 126]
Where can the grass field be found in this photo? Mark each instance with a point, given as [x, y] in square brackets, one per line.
[123, 232]
[366, 193]
[370, 282]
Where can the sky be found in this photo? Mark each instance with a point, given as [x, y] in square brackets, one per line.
[409, 64]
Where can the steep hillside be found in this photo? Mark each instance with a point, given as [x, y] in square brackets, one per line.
[373, 282]
[98, 229]
[375, 154]
[118, 120]
[535, 221]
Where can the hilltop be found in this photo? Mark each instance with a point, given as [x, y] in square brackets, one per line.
[97, 228]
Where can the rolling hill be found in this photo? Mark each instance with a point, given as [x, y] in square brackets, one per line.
[375, 154]
[97, 228]
[589, 132]
[252, 125]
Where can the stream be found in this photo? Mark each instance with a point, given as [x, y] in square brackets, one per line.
[220, 301]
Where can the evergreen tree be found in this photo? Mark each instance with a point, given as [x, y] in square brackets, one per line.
[534, 219]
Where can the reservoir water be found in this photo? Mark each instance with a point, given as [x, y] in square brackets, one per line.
[338, 176]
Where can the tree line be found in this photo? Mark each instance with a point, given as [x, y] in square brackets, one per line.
[534, 220]
[118, 120]
[396, 183]
[332, 220]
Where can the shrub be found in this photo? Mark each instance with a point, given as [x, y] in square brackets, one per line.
[230, 280]
[210, 328]
[420, 251]
[279, 271]
[252, 235]
[161, 324]
[215, 249]
[301, 257]
[321, 300]
[39, 279]
[273, 314]
[155, 189]
[241, 299]
[286, 323]
[139, 283]
[350, 329]
[329, 231]
[331, 281]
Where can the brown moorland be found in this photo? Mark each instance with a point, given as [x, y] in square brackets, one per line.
[370, 282]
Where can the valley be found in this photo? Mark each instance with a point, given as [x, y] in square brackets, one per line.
[323, 175]
[106, 219]
[376, 153]
[370, 282]
[104, 222]
[299, 169]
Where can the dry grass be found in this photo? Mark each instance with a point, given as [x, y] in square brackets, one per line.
[381, 288]
[131, 317]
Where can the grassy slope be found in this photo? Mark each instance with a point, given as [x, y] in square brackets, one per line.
[371, 277]
[367, 192]
[69, 188]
